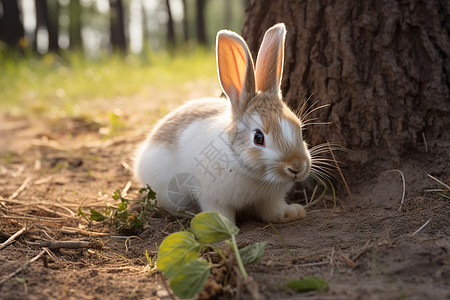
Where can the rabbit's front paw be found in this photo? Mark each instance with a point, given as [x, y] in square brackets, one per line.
[290, 213]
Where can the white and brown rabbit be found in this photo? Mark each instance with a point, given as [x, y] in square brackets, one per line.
[243, 153]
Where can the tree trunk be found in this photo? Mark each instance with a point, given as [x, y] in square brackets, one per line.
[170, 27]
[185, 22]
[118, 41]
[11, 27]
[76, 41]
[46, 22]
[53, 26]
[383, 66]
[200, 22]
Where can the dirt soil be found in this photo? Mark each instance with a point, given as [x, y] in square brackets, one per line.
[366, 248]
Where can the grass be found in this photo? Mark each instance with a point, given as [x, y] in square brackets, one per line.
[71, 84]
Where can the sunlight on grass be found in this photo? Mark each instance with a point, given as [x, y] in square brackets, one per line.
[73, 85]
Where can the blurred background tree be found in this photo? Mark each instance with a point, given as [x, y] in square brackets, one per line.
[11, 28]
[103, 26]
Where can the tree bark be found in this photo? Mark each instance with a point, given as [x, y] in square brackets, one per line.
[118, 40]
[382, 66]
[11, 27]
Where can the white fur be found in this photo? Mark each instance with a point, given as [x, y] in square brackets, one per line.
[233, 185]
[288, 131]
[227, 192]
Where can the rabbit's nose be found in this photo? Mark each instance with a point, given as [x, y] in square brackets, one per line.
[292, 170]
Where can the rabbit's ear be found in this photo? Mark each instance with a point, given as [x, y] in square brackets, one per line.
[269, 64]
[235, 69]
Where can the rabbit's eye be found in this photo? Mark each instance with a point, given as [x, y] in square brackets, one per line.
[258, 138]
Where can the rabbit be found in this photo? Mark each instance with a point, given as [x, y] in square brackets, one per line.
[240, 154]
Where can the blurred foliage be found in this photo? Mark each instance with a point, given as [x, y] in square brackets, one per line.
[56, 84]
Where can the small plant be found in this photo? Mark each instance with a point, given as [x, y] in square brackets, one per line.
[126, 220]
[179, 254]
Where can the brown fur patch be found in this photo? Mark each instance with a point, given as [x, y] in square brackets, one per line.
[168, 130]
[269, 107]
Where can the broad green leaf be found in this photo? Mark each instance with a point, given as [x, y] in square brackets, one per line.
[96, 216]
[252, 253]
[190, 279]
[308, 284]
[211, 227]
[175, 251]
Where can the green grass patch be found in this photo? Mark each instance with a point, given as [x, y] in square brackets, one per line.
[55, 85]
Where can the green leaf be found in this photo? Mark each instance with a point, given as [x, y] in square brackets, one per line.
[116, 195]
[308, 284]
[190, 280]
[150, 193]
[122, 205]
[211, 227]
[252, 253]
[80, 212]
[175, 251]
[96, 216]
[148, 258]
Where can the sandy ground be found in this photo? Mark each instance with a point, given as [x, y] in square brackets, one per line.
[365, 250]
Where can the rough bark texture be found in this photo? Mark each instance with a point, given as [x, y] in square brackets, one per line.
[383, 66]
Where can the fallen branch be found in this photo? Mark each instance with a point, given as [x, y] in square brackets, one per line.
[12, 238]
[23, 267]
[72, 244]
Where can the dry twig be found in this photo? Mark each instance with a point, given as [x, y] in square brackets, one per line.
[128, 241]
[98, 245]
[125, 189]
[71, 230]
[23, 267]
[166, 286]
[404, 187]
[350, 262]
[21, 188]
[421, 227]
[438, 181]
[12, 238]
